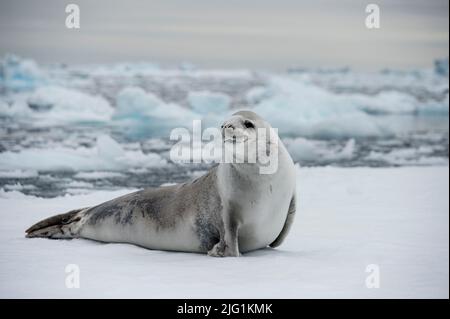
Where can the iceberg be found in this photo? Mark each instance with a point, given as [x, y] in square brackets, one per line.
[318, 151]
[441, 67]
[299, 108]
[141, 113]
[55, 105]
[257, 94]
[18, 74]
[204, 102]
[68, 105]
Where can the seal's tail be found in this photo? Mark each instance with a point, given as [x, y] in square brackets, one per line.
[62, 226]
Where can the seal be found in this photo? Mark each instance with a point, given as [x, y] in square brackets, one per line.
[230, 210]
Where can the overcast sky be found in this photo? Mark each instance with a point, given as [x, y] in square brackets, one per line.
[259, 34]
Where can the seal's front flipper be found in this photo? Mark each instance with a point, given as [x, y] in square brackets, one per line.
[228, 245]
[62, 226]
[221, 249]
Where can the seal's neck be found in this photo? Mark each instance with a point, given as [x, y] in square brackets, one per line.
[249, 172]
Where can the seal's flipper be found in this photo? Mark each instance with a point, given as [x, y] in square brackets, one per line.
[287, 224]
[57, 227]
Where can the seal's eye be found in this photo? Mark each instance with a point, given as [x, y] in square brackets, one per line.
[249, 124]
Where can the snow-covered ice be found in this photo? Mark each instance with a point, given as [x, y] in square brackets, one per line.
[107, 154]
[347, 219]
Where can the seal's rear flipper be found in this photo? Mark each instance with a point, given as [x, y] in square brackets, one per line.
[62, 226]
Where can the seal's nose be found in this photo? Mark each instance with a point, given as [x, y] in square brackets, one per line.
[227, 125]
[227, 129]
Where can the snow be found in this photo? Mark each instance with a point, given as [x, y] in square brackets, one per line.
[347, 219]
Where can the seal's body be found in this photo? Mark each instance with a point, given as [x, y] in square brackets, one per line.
[231, 209]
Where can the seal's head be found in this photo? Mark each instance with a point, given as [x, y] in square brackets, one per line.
[248, 138]
[242, 126]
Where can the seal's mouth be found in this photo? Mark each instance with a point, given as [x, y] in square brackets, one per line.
[233, 135]
[234, 139]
